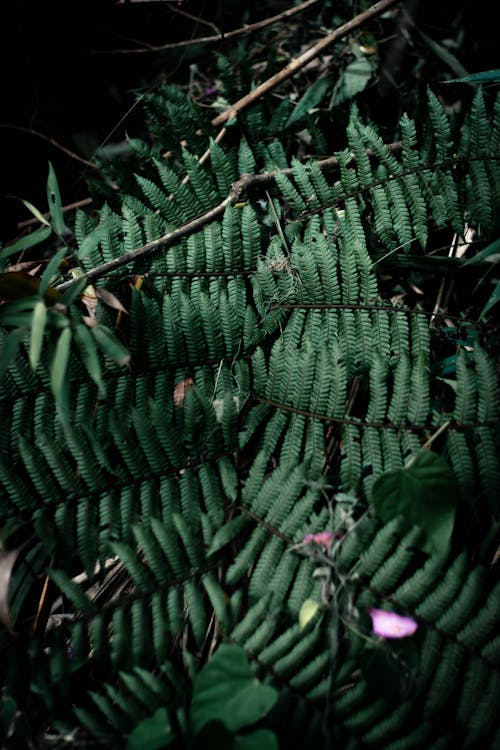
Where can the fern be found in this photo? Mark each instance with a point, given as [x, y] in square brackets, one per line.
[270, 384]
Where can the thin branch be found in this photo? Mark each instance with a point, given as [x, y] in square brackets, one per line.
[247, 29]
[52, 142]
[300, 62]
[238, 189]
[198, 20]
[172, 238]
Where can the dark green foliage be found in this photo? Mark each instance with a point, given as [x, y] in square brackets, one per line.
[269, 388]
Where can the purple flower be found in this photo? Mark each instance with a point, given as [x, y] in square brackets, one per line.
[211, 91]
[391, 625]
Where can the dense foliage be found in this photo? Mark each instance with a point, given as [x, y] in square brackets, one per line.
[249, 397]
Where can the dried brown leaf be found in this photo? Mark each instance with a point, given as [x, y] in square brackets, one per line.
[181, 389]
[109, 299]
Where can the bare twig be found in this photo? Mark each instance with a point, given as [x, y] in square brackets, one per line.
[299, 62]
[172, 238]
[238, 189]
[52, 142]
[198, 20]
[247, 29]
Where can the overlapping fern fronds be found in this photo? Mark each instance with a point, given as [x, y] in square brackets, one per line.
[269, 386]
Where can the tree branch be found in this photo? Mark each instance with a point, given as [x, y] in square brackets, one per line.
[247, 29]
[238, 189]
[299, 62]
[52, 142]
[172, 238]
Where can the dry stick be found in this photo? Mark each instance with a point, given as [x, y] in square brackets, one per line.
[238, 188]
[52, 142]
[167, 240]
[208, 39]
[199, 20]
[299, 62]
[253, 180]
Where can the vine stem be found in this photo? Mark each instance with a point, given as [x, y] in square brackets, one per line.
[300, 62]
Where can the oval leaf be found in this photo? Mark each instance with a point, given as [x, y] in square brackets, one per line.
[226, 690]
[17, 284]
[425, 493]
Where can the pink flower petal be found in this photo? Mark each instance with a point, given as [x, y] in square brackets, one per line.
[323, 538]
[391, 625]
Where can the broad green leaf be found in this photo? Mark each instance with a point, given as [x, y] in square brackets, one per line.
[54, 201]
[58, 367]
[353, 80]
[110, 345]
[260, 739]
[313, 96]
[425, 493]
[52, 268]
[10, 348]
[37, 330]
[86, 344]
[29, 240]
[307, 612]
[227, 690]
[152, 733]
[483, 77]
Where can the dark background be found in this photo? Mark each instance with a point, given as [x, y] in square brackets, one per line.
[60, 78]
